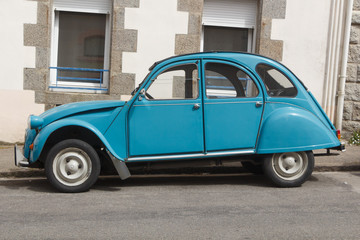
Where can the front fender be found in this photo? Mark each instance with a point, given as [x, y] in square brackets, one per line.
[44, 134]
[291, 129]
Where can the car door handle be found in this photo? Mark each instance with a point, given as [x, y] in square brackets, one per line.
[258, 104]
[196, 106]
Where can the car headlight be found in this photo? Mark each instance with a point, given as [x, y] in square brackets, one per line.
[35, 122]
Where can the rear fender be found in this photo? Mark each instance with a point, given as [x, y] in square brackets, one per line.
[291, 129]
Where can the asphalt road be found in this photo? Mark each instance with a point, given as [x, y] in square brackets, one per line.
[184, 207]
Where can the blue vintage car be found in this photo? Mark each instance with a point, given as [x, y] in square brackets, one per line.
[202, 107]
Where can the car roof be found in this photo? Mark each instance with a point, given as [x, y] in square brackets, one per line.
[243, 57]
[250, 60]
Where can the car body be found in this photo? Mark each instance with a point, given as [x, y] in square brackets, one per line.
[201, 106]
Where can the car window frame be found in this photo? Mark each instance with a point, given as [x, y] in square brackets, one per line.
[248, 72]
[163, 69]
[280, 71]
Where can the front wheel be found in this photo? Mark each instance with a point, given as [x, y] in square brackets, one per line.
[72, 166]
[289, 169]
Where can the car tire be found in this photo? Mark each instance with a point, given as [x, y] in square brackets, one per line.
[72, 166]
[289, 169]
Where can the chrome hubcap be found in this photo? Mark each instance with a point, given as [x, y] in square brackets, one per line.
[72, 166]
[290, 166]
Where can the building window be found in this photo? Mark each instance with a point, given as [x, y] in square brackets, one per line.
[229, 25]
[80, 50]
[227, 39]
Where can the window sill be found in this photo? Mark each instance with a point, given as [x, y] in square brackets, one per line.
[78, 89]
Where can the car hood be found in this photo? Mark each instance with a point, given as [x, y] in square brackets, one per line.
[75, 108]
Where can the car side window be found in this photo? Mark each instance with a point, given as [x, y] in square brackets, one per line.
[227, 81]
[178, 82]
[277, 84]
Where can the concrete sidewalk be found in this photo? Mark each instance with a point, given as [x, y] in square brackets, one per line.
[336, 161]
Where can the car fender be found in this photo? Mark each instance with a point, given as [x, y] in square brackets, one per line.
[291, 128]
[44, 134]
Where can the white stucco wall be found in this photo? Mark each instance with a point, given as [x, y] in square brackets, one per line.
[305, 34]
[15, 103]
[157, 22]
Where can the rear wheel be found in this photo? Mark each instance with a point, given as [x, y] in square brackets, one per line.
[289, 169]
[72, 166]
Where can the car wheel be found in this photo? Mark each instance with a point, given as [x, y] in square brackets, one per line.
[252, 167]
[72, 166]
[289, 169]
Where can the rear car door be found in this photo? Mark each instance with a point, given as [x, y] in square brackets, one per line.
[233, 107]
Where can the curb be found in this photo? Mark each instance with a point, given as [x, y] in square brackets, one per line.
[23, 173]
[337, 168]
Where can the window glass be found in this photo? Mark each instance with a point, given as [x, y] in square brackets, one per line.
[277, 84]
[94, 46]
[81, 45]
[179, 82]
[225, 39]
[227, 81]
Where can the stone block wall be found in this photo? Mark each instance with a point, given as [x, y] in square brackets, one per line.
[268, 10]
[351, 118]
[39, 36]
[125, 40]
[189, 43]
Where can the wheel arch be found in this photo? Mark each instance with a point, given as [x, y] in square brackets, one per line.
[65, 129]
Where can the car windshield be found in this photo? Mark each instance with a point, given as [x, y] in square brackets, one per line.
[140, 84]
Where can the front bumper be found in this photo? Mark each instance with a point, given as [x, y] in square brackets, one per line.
[20, 160]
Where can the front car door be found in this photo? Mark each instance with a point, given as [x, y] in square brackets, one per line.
[168, 119]
[233, 107]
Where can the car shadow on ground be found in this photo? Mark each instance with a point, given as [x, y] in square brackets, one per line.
[114, 183]
[33, 184]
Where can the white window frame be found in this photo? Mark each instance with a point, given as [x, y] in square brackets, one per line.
[251, 39]
[78, 86]
[215, 21]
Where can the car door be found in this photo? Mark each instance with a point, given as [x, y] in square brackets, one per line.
[167, 119]
[233, 107]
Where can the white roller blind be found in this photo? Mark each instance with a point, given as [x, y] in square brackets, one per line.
[230, 13]
[94, 6]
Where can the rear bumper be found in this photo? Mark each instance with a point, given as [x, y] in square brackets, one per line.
[341, 147]
[20, 160]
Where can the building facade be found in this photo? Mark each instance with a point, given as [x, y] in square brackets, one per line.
[62, 51]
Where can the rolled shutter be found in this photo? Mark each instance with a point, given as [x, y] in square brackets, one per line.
[94, 6]
[230, 13]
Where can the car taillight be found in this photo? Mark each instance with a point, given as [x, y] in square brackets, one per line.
[338, 134]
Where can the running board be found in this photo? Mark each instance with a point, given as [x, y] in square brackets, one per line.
[191, 156]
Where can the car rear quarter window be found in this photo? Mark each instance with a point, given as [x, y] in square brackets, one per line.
[277, 83]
